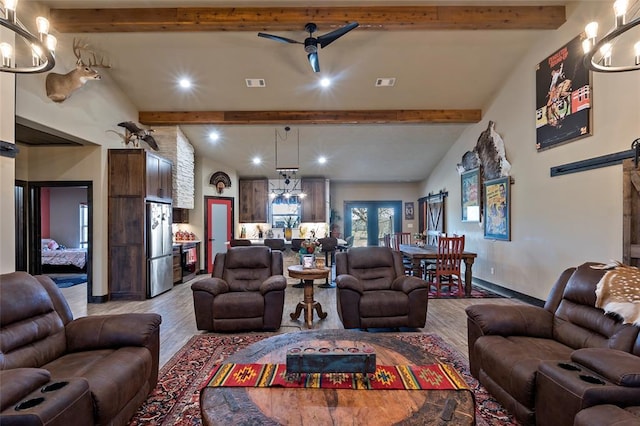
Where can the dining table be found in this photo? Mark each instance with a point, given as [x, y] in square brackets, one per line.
[419, 253]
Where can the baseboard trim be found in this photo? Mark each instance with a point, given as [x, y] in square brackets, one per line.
[99, 299]
[509, 293]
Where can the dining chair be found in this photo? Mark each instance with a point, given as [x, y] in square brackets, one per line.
[386, 240]
[402, 238]
[448, 261]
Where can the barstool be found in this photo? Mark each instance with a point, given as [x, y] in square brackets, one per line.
[329, 246]
[296, 244]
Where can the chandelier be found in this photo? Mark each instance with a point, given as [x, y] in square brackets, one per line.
[599, 54]
[287, 186]
[42, 46]
[287, 165]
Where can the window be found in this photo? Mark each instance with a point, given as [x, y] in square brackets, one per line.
[283, 208]
[84, 225]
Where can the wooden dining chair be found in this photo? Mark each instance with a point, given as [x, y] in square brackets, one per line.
[402, 238]
[448, 264]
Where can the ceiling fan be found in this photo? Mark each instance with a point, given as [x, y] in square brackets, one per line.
[311, 43]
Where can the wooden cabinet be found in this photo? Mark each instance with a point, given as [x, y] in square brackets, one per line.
[159, 184]
[180, 216]
[138, 173]
[135, 177]
[254, 199]
[314, 208]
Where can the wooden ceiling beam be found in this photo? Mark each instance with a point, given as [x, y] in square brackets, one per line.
[474, 17]
[455, 116]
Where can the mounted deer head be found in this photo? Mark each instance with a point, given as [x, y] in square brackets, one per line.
[60, 86]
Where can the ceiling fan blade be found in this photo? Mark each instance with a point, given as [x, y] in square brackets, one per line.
[313, 61]
[326, 39]
[279, 38]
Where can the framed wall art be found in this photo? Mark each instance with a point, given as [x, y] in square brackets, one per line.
[408, 211]
[497, 200]
[470, 195]
[563, 97]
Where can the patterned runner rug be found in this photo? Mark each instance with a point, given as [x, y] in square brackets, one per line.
[387, 377]
[476, 293]
[175, 401]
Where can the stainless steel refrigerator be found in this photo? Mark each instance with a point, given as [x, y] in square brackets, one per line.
[159, 249]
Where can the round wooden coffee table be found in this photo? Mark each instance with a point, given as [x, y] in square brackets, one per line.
[300, 406]
[308, 304]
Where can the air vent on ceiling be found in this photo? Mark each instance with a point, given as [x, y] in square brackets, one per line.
[255, 82]
[385, 82]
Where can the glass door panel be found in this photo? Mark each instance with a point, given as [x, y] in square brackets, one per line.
[368, 221]
[359, 229]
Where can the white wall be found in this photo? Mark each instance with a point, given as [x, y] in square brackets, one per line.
[7, 170]
[555, 222]
[88, 114]
[65, 215]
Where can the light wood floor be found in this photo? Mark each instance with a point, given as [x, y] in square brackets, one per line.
[445, 317]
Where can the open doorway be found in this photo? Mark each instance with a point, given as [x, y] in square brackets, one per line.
[60, 232]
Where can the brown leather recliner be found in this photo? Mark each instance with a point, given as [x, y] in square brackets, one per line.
[55, 370]
[374, 292]
[245, 292]
[545, 364]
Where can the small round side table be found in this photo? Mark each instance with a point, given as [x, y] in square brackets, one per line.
[308, 304]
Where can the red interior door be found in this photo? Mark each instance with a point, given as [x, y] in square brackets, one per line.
[219, 227]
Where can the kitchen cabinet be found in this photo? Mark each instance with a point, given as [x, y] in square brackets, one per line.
[159, 178]
[180, 216]
[135, 178]
[139, 173]
[254, 200]
[314, 208]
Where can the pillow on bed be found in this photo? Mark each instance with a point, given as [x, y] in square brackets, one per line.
[49, 244]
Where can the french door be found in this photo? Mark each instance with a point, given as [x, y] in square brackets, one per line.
[368, 221]
[218, 227]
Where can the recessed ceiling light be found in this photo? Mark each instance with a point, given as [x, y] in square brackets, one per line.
[325, 82]
[214, 136]
[322, 160]
[256, 160]
[185, 83]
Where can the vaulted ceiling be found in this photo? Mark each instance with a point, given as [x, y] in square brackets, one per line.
[448, 60]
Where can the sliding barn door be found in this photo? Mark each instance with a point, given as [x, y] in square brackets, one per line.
[431, 216]
[631, 214]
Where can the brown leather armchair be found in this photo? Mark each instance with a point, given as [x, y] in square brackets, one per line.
[245, 292]
[55, 370]
[374, 292]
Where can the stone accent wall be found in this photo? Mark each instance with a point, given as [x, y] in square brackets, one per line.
[175, 146]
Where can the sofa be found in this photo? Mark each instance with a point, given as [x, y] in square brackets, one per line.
[245, 291]
[545, 364]
[374, 292]
[56, 370]
[608, 414]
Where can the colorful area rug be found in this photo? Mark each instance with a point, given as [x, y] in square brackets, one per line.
[64, 282]
[386, 377]
[175, 401]
[476, 293]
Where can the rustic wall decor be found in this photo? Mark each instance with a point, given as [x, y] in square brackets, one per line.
[221, 181]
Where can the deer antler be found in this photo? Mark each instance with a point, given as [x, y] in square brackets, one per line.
[78, 47]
